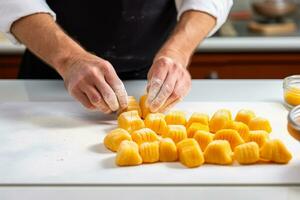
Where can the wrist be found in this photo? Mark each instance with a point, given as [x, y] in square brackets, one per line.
[64, 61]
[176, 55]
[63, 51]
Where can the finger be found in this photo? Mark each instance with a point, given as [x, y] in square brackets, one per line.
[107, 94]
[83, 99]
[169, 106]
[174, 98]
[121, 95]
[157, 79]
[164, 93]
[95, 98]
[117, 86]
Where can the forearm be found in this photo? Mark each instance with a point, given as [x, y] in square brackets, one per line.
[46, 39]
[191, 29]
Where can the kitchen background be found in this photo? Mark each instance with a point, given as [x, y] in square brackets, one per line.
[247, 46]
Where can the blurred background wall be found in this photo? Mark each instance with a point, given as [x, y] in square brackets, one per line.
[248, 46]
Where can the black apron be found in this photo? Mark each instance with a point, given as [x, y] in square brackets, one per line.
[127, 33]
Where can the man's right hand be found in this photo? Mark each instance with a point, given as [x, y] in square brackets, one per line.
[88, 78]
[94, 82]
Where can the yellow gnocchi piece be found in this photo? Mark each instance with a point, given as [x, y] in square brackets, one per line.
[128, 154]
[219, 120]
[144, 135]
[114, 138]
[145, 110]
[175, 118]
[132, 105]
[259, 123]
[232, 136]
[185, 143]
[203, 138]
[130, 121]
[275, 151]
[167, 150]
[190, 155]
[240, 127]
[218, 152]
[247, 153]
[260, 137]
[149, 152]
[176, 133]
[245, 116]
[199, 118]
[157, 123]
[196, 126]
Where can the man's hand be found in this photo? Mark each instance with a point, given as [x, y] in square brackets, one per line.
[168, 82]
[168, 78]
[88, 78]
[94, 82]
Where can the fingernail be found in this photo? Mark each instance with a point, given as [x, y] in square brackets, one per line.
[115, 106]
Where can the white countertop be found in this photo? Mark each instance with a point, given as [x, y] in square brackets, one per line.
[250, 44]
[202, 90]
[214, 44]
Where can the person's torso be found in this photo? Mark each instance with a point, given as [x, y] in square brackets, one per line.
[127, 33]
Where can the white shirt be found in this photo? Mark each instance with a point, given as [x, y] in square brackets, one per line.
[12, 10]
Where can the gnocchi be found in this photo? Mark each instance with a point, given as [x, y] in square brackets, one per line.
[132, 105]
[167, 150]
[114, 138]
[190, 155]
[157, 123]
[203, 138]
[260, 137]
[218, 152]
[245, 116]
[259, 123]
[275, 151]
[247, 153]
[240, 127]
[149, 152]
[219, 120]
[145, 137]
[130, 121]
[128, 154]
[232, 136]
[144, 109]
[175, 118]
[195, 127]
[199, 118]
[176, 133]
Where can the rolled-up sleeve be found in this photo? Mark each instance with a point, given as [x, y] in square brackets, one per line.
[12, 10]
[217, 8]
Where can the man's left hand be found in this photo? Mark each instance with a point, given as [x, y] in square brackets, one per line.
[168, 82]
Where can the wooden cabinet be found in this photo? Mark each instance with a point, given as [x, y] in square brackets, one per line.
[211, 65]
[245, 65]
[9, 66]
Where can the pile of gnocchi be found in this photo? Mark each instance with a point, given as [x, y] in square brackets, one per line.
[144, 137]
